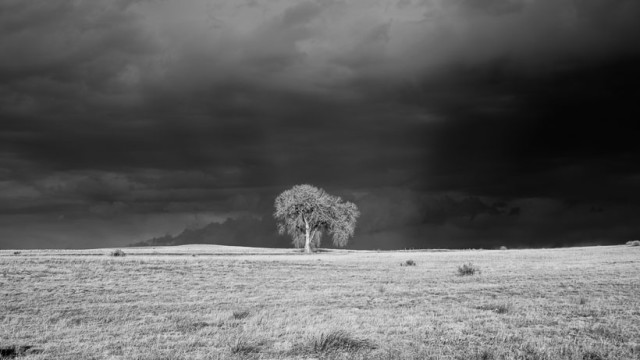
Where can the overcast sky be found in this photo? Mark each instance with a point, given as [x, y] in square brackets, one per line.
[444, 120]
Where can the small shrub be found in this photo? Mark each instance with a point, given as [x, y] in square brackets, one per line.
[468, 269]
[117, 252]
[339, 341]
[503, 247]
[408, 263]
[239, 315]
[633, 243]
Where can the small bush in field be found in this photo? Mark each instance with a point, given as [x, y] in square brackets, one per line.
[503, 247]
[408, 263]
[633, 243]
[468, 269]
[117, 252]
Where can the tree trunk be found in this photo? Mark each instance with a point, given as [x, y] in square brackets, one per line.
[307, 236]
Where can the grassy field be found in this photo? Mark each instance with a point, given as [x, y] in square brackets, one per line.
[214, 302]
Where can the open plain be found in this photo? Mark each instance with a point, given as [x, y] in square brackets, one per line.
[215, 302]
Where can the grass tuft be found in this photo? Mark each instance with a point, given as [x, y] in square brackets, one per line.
[192, 326]
[484, 354]
[496, 308]
[592, 355]
[582, 300]
[117, 252]
[10, 352]
[468, 269]
[339, 340]
[239, 315]
[244, 347]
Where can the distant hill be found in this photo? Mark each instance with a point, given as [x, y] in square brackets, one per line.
[242, 231]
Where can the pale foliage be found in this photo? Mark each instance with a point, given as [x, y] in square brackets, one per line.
[323, 212]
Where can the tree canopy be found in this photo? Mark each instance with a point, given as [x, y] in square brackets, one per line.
[305, 212]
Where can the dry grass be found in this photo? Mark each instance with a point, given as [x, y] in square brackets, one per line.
[578, 303]
[339, 340]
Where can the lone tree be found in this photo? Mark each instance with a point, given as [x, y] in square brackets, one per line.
[305, 212]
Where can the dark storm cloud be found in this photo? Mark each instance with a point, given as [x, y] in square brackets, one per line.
[550, 134]
[149, 107]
